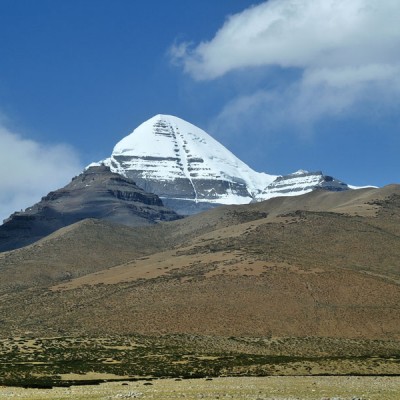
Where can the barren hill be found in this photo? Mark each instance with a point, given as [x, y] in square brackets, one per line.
[322, 264]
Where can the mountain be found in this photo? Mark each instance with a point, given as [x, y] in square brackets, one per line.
[185, 166]
[192, 172]
[323, 264]
[96, 193]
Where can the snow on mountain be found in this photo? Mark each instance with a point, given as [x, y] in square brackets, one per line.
[301, 182]
[191, 171]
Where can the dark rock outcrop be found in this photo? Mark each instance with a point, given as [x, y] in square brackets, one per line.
[96, 193]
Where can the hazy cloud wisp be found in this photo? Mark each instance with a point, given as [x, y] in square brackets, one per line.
[29, 170]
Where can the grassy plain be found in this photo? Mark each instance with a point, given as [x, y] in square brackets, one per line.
[66, 361]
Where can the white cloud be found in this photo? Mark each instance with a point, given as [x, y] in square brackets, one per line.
[343, 51]
[29, 170]
[303, 34]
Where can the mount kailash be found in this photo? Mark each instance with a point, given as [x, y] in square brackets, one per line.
[190, 171]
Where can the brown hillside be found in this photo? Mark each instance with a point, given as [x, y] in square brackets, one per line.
[323, 264]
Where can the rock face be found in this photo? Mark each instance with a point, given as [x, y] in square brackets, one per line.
[192, 172]
[96, 193]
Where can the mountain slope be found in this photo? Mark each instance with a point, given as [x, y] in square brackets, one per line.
[192, 172]
[96, 193]
[78, 249]
[319, 265]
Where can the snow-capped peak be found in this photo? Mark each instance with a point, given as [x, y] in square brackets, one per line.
[184, 151]
[184, 165]
[166, 148]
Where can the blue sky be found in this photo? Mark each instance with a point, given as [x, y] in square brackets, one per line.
[283, 84]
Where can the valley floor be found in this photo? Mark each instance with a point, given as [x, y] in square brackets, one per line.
[250, 388]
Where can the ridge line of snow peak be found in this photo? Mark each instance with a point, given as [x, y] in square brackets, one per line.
[191, 171]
